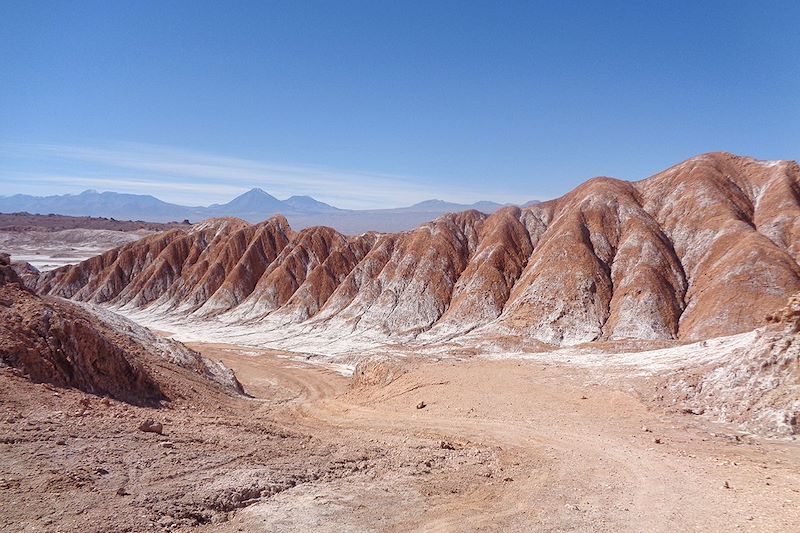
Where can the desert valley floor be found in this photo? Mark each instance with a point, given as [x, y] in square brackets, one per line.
[499, 445]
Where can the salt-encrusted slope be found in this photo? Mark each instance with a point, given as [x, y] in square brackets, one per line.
[735, 226]
[756, 385]
[703, 249]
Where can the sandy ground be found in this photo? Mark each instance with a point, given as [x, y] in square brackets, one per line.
[499, 446]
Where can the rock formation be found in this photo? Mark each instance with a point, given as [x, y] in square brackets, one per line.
[59, 342]
[756, 386]
[703, 249]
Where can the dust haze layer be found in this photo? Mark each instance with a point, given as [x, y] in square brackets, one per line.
[706, 248]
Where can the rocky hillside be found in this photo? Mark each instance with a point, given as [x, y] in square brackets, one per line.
[57, 342]
[703, 249]
[756, 385]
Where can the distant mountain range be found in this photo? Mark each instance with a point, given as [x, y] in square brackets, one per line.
[253, 206]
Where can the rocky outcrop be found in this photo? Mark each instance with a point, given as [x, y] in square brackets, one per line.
[703, 249]
[7, 272]
[57, 342]
[756, 386]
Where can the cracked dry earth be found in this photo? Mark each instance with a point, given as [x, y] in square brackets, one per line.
[499, 446]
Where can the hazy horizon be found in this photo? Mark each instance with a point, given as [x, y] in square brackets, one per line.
[227, 199]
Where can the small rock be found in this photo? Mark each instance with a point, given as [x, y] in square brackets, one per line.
[584, 398]
[726, 485]
[657, 440]
[446, 445]
[122, 492]
[150, 426]
[421, 405]
[165, 444]
[61, 442]
[508, 479]
[646, 429]
[693, 410]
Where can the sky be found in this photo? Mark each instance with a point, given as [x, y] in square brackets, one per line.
[381, 104]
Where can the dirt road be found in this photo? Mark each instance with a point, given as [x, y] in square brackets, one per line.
[558, 450]
[498, 446]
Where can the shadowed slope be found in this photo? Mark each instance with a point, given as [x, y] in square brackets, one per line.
[54, 341]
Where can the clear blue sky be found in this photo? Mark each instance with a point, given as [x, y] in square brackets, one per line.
[379, 103]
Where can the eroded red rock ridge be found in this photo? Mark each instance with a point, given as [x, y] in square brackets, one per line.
[703, 249]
